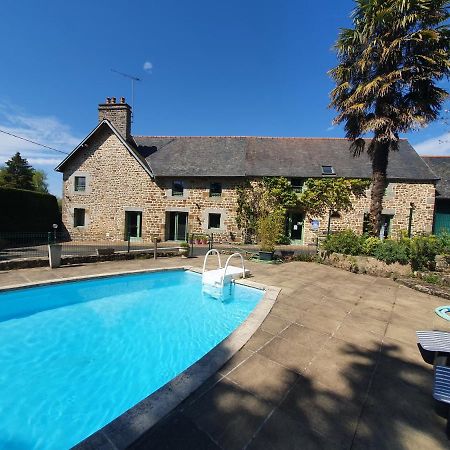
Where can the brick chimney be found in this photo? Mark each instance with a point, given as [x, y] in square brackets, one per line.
[119, 114]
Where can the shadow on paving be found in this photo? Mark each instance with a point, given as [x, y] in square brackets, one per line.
[379, 401]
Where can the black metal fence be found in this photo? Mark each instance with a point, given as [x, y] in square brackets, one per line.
[22, 245]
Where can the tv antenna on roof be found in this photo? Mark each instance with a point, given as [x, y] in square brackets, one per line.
[133, 79]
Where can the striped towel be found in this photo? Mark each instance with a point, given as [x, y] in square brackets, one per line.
[434, 341]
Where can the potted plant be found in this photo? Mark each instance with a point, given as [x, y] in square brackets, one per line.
[205, 240]
[184, 249]
[270, 226]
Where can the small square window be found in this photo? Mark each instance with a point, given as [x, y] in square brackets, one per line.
[214, 220]
[297, 184]
[177, 188]
[328, 170]
[79, 217]
[215, 189]
[80, 184]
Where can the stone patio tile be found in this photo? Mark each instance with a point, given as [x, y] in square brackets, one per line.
[299, 302]
[408, 422]
[264, 378]
[402, 333]
[344, 305]
[327, 323]
[411, 318]
[330, 309]
[187, 437]
[344, 368]
[282, 432]
[304, 335]
[274, 324]
[380, 314]
[286, 312]
[359, 320]
[409, 374]
[235, 360]
[258, 340]
[401, 351]
[324, 410]
[289, 354]
[378, 303]
[229, 414]
[355, 335]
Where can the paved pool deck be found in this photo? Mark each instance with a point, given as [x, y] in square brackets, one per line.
[334, 365]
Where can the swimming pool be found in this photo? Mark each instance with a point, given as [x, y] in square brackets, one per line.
[76, 355]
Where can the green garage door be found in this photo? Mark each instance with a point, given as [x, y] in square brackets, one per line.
[442, 217]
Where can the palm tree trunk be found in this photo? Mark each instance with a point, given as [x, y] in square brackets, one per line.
[379, 183]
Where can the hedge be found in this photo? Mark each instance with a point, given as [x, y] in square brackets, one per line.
[22, 211]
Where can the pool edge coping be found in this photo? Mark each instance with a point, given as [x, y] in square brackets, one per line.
[131, 425]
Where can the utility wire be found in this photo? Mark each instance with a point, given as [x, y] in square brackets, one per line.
[33, 142]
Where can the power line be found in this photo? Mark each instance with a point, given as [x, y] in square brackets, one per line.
[33, 142]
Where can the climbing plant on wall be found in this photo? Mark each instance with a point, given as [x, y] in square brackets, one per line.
[260, 198]
[325, 196]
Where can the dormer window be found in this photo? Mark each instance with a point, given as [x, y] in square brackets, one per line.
[215, 189]
[297, 185]
[328, 170]
[177, 188]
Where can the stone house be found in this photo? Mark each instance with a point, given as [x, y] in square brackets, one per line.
[117, 184]
[440, 165]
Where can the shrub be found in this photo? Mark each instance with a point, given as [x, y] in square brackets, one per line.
[391, 251]
[370, 245]
[431, 278]
[27, 210]
[346, 242]
[270, 227]
[423, 251]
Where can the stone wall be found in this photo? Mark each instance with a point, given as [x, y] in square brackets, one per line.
[116, 183]
[396, 202]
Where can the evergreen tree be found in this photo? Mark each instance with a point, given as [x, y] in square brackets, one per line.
[17, 174]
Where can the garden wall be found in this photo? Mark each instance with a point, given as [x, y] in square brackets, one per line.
[367, 265]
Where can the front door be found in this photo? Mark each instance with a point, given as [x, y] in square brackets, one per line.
[133, 225]
[177, 226]
[295, 227]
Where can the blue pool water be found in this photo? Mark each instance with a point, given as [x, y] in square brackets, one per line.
[74, 356]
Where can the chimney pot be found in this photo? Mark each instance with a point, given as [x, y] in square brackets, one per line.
[108, 100]
[122, 99]
[113, 99]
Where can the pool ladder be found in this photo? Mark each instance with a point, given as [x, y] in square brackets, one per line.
[222, 275]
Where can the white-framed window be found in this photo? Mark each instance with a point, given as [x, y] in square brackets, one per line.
[214, 221]
[79, 217]
[79, 184]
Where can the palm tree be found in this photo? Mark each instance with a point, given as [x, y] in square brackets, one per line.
[386, 79]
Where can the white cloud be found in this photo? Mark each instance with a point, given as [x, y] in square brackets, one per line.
[439, 146]
[330, 128]
[47, 130]
[148, 66]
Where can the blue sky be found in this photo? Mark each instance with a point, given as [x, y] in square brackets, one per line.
[216, 68]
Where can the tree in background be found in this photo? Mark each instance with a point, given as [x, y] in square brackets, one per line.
[18, 174]
[326, 196]
[40, 181]
[389, 63]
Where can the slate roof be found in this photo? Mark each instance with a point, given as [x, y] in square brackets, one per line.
[184, 156]
[440, 165]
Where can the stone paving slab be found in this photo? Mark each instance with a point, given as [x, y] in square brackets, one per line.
[334, 365]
